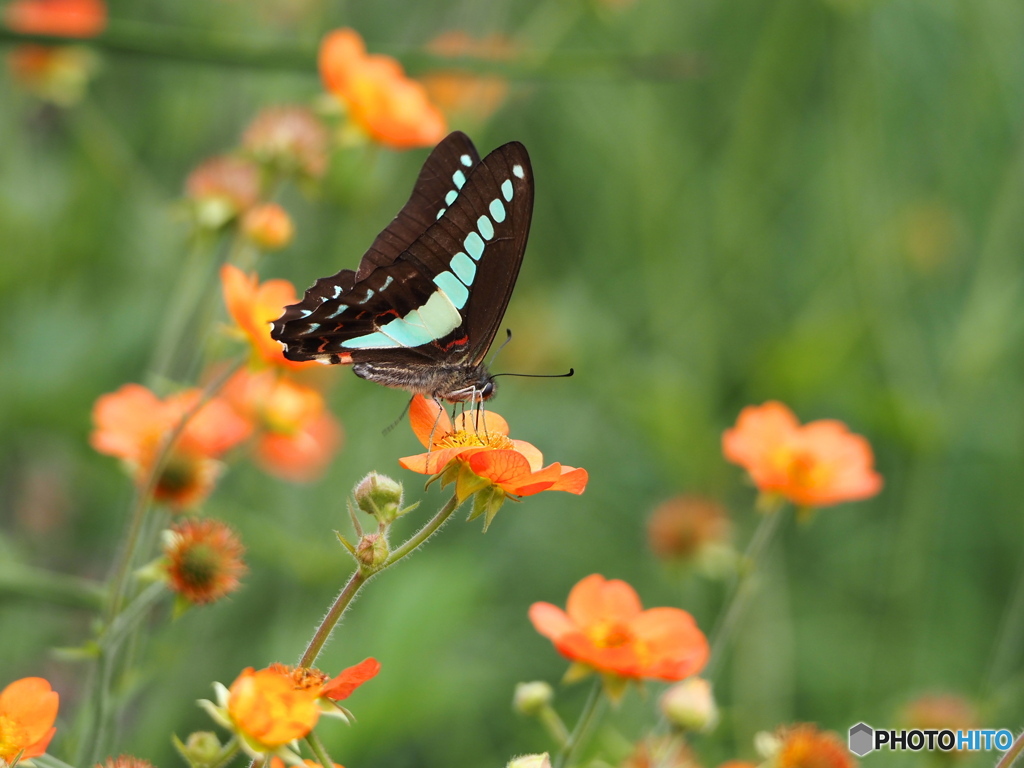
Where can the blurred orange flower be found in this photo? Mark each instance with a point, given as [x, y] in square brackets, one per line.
[815, 465]
[222, 188]
[606, 628]
[269, 226]
[683, 526]
[125, 761]
[132, 422]
[61, 18]
[940, 712]
[296, 435]
[254, 306]
[460, 92]
[390, 107]
[487, 456]
[269, 711]
[203, 560]
[28, 708]
[805, 746]
[291, 139]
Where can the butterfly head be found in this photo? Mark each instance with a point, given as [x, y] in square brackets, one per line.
[472, 384]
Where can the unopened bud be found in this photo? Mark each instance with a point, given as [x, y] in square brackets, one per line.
[531, 698]
[269, 226]
[201, 748]
[690, 705]
[380, 496]
[372, 550]
[530, 761]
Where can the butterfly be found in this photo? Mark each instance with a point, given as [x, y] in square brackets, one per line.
[424, 305]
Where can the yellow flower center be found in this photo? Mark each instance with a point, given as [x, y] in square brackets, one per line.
[12, 737]
[611, 634]
[465, 439]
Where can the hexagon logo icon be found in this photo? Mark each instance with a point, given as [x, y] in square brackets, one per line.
[861, 739]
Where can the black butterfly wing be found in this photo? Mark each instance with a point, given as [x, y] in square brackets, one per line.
[435, 188]
[442, 298]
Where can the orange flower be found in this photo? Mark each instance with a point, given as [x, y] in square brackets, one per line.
[59, 75]
[391, 108]
[297, 435]
[28, 708]
[940, 712]
[254, 306]
[814, 465]
[606, 629]
[466, 93]
[336, 688]
[482, 443]
[805, 746]
[222, 188]
[61, 18]
[683, 526]
[203, 560]
[268, 711]
[132, 422]
[289, 139]
[269, 226]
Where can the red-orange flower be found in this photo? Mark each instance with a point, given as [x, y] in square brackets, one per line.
[815, 465]
[269, 226]
[222, 188]
[28, 708]
[460, 92]
[336, 688]
[391, 108]
[203, 560]
[805, 746]
[296, 435]
[61, 18]
[125, 761]
[269, 711]
[132, 423]
[683, 526]
[290, 139]
[254, 306]
[606, 628]
[480, 441]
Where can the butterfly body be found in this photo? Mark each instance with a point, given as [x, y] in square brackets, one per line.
[422, 308]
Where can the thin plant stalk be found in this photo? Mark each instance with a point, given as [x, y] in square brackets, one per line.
[362, 575]
[579, 732]
[1010, 756]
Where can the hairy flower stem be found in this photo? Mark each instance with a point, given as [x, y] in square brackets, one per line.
[317, 747]
[743, 589]
[94, 733]
[363, 575]
[586, 718]
[1010, 756]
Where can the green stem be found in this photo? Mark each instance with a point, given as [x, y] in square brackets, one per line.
[40, 585]
[743, 589]
[363, 575]
[590, 709]
[318, 750]
[1010, 755]
[49, 761]
[554, 725]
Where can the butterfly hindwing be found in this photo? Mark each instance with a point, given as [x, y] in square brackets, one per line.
[437, 296]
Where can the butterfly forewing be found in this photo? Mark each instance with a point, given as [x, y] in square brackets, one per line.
[436, 296]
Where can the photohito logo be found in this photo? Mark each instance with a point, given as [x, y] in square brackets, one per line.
[863, 739]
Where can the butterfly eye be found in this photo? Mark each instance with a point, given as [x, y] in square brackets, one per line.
[487, 391]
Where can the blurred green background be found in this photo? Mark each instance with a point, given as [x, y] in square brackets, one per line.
[816, 201]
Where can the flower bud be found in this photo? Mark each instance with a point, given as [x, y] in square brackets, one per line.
[530, 761]
[531, 698]
[269, 226]
[372, 550]
[380, 496]
[690, 705]
[200, 748]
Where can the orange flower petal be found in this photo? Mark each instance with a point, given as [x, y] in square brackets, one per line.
[671, 636]
[551, 621]
[29, 706]
[594, 600]
[502, 467]
[428, 420]
[342, 686]
[481, 421]
[63, 18]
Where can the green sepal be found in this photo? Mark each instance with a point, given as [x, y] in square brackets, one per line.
[577, 671]
[614, 686]
[181, 605]
[346, 543]
[487, 502]
[468, 483]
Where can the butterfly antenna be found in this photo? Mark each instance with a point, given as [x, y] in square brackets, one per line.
[508, 338]
[572, 372]
[396, 422]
